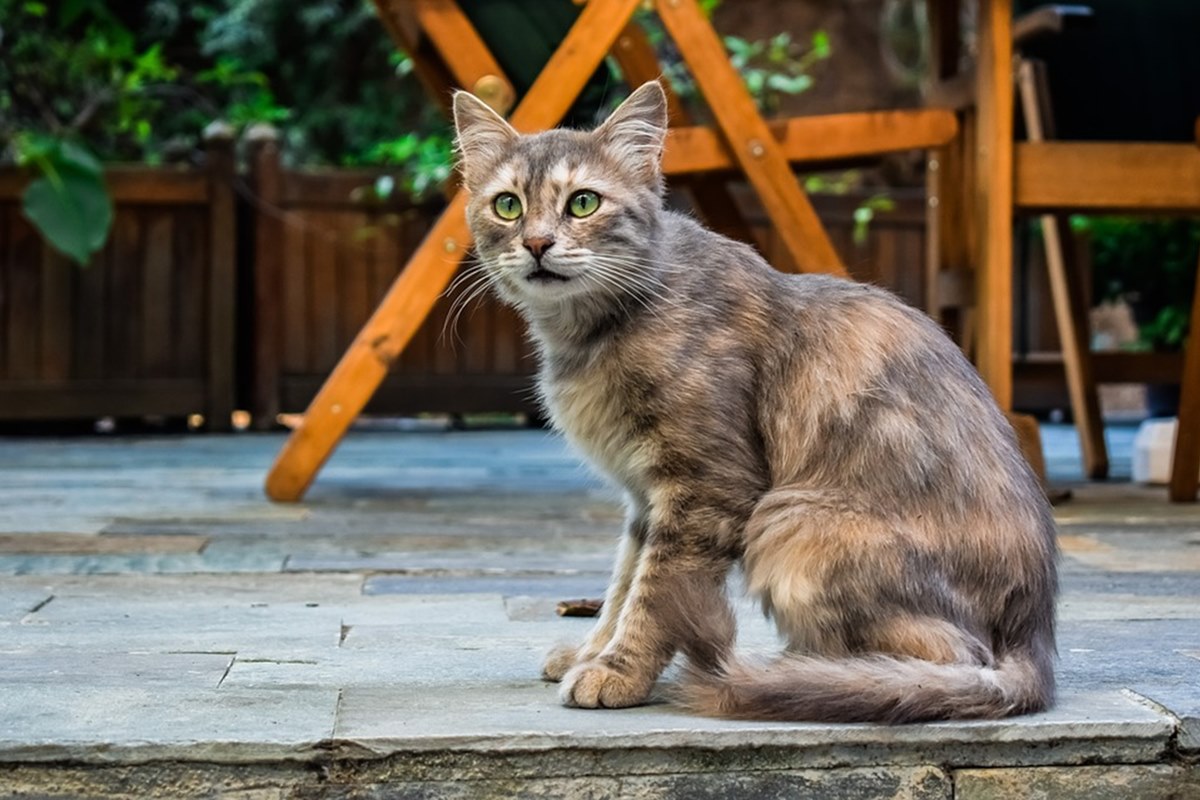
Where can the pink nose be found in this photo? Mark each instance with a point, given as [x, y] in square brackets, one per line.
[538, 245]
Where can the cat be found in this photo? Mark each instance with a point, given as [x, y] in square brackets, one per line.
[818, 432]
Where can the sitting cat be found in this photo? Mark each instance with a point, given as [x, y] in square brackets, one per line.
[817, 431]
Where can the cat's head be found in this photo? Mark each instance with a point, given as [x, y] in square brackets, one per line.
[563, 214]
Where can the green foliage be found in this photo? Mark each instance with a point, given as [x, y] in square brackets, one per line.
[776, 67]
[425, 163]
[140, 81]
[68, 204]
[1152, 264]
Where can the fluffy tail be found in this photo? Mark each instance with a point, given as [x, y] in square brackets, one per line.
[868, 689]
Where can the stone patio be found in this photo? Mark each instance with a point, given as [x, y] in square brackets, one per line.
[167, 632]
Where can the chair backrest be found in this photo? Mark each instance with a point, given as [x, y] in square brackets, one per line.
[1131, 75]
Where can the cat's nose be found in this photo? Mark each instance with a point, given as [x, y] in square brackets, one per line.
[538, 245]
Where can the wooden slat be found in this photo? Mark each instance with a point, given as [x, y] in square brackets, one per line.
[221, 314]
[993, 198]
[1070, 310]
[124, 290]
[322, 292]
[1185, 466]
[401, 24]
[1109, 367]
[271, 270]
[639, 63]
[93, 308]
[828, 137]
[157, 352]
[410, 298]
[464, 52]
[57, 324]
[753, 146]
[406, 394]
[349, 189]
[24, 258]
[293, 294]
[190, 267]
[1108, 176]
[129, 184]
[83, 399]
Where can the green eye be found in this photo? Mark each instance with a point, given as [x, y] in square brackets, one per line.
[583, 203]
[507, 206]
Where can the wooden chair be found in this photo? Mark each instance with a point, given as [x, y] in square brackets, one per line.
[1185, 465]
[1046, 178]
[448, 50]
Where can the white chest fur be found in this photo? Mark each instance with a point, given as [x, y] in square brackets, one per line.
[595, 416]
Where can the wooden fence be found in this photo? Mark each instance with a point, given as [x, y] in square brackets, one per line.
[147, 328]
[160, 324]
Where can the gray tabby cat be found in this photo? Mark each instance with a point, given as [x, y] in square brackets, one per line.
[818, 432]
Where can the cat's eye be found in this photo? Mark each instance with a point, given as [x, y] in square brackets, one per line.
[583, 203]
[507, 206]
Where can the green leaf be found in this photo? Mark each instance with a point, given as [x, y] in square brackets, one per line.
[75, 215]
[820, 44]
[789, 84]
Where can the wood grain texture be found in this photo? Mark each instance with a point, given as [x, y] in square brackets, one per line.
[750, 140]
[1066, 290]
[1108, 176]
[828, 137]
[409, 300]
[993, 187]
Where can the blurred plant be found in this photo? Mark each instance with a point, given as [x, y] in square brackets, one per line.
[73, 73]
[425, 163]
[771, 68]
[843, 183]
[777, 67]
[1151, 263]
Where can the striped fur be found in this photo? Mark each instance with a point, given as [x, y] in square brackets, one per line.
[818, 433]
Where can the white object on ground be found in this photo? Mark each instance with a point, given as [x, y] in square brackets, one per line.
[1153, 449]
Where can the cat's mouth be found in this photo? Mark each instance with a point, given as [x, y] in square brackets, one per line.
[543, 275]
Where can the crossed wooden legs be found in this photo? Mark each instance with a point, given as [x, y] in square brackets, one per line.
[762, 152]
[408, 301]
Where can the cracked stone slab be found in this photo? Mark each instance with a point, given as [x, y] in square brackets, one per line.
[18, 601]
[122, 669]
[1183, 702]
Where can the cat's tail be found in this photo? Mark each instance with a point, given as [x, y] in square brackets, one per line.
[862, 688]
[867, 689]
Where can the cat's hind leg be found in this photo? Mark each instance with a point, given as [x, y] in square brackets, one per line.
[840, 580]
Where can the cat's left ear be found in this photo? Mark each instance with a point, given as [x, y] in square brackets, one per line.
[482, 138]
[637, 131]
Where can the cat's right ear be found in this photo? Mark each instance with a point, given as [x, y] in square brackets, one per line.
[637, 131]
[481, 138]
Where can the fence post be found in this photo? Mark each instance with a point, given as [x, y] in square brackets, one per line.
[222, 316]
[266, 179]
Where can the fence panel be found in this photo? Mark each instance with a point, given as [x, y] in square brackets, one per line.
[145, 329]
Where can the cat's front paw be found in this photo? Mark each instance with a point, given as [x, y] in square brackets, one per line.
[559, 661]
[593, 684]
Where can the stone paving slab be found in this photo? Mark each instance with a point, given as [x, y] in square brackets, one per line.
[384, 638]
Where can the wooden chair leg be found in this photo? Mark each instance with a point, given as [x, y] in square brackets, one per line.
[409, 300]
[993, 188]
[1185, 466]
[755, 148]
[1066, 288]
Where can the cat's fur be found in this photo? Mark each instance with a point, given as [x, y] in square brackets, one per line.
[818, 432]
